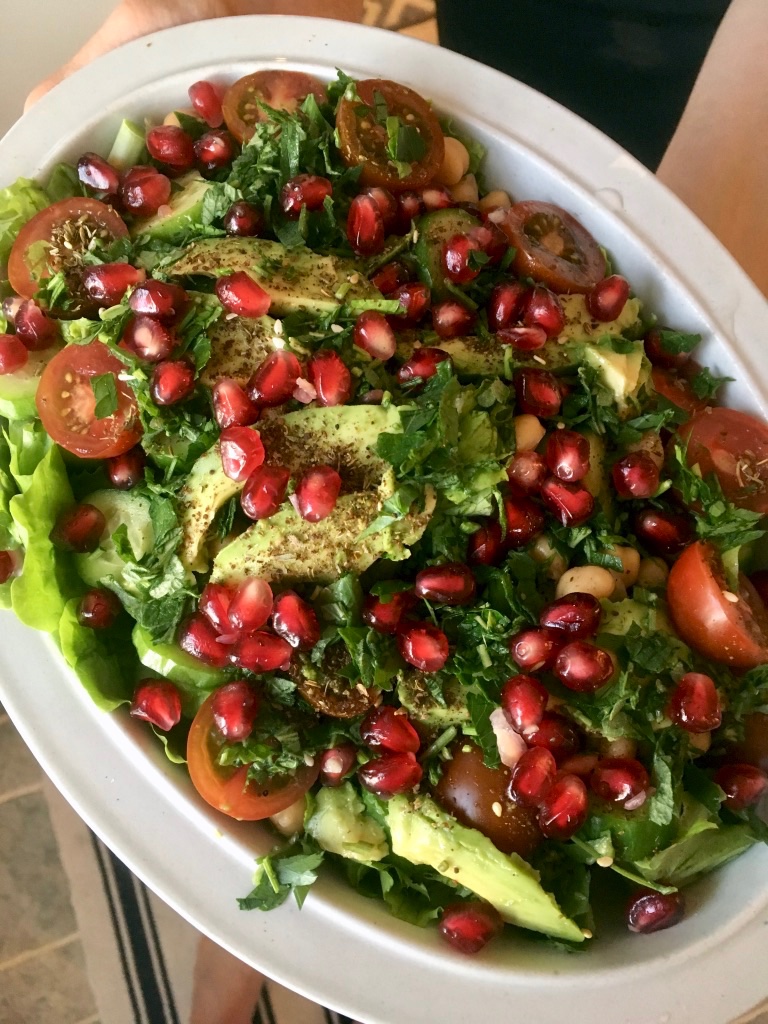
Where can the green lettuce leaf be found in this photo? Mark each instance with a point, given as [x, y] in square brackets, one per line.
[27, 443]
[18, 204]
[103, 662]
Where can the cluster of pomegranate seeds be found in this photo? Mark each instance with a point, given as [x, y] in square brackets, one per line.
[172, 146]
[385, 616]
[470, 926]
[33, 327]
[524, 700]
[388, 728]
[606, 299]
[235, 707]
[79, 529]
[422, 365]
[330, 378]
[98, 609]
[242, 452]
[14, 354]
[336, 763]
[391, 773]
[743, 784]
[695, 703]
[651, 911]
[664, 532]
[365, 226]
[295, 621]
[373, 334]
[173, 381]
[451, 583]
[275, 380]
[317, 491]
[108, 283]
[424, 646]
[621, 780]
[243, 220]
[264, 491]
[149, 339]
[636, 476]
[158, 702]
[214, 151]
[144, 190]
[96, 173]
[240, 294]
[206, 101]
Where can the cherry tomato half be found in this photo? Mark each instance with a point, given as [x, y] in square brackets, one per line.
[40, 250]
[282, 90]
[553, 247]
[734, 446]
[364, 137]
[676, 390]
[726, 627]
[228, 789]
[66, 403]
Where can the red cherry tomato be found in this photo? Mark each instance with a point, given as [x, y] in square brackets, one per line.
[551, 246]
[734, 446]
[364, 138]
[730, 628]
[66, 403]
[39, 249]
[281, 90]
[228, 789]
[677, 390]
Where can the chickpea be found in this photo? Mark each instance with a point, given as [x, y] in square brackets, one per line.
[497, 198]
[622, 747]
[528, 432]
[291, 820]
[542, 551]
[652, 573]
[171, 118]
[700, 741]
[465, 191]
[455, 162]
[630, 561]
[586, 579]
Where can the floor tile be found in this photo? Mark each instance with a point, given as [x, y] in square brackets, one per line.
[48, 989]
[18, 768]
[35, 906]
[426, 30]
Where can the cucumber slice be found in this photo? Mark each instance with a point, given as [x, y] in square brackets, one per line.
[434, 231]
[119, 508]
[128, 147]
[18, 390]
[169, 661]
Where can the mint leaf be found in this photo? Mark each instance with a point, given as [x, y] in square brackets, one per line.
[292, 870]
[705, 385]
[480, 708]
[104, 390]
[675, 343]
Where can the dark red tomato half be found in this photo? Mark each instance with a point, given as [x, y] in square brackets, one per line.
[551, 246]
[730, 628]
[228, 789]
[66, 403]
[46, 244]
[281, 90]
[677, 390]
[364, 138]
[734, 446]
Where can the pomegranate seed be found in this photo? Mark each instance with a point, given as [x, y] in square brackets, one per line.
[305, 190]
[450, 583]
[410, 206]
[532, 776]
[243, 220]
[422, 365]
[264, 491]
[424, 646]
[172, 381]
[242, 452]
[563, 808]
[534, 649]
[385, 616]
[198, 638]
[636, 476]
[234, 708]
[316, 493]
[9, 564]
[261, 652]
[570, 503]
[664, 533]
[13, 354]
[649, 911]
[330, 378]
[373, 397]
[295, 621]
[524, 700]
[470, 926]
[387, 205]
[373, 334]
[527, 472]
[743, 784]
[108, 283]
[214, 605]
[558, 735]
[275, 380]
[607, 299]
[206, 101]
[491, 240]
[537, 392]
[169, 144]
[239, 293]
[157, 702]
[144, 190]
[96, 173]
[365, 226]
[543, 309]
[695, 704]
[658, 354]
[148, 339]
[583, 667]
[485, 545]
[98, 609]
[386, 728]
[231, 406]
[435, 197]
[214, 150]
[505, 304]
[568, 455]
[621, 780]
[451, 319]
[336, 763]
[34, 328]
[159, 299]
[127, 470]
[524, 339]
[415, 298]
[391, 773]
[79, 529]
[524, 521]
[573, 617]
[462, 259]
[390, 277]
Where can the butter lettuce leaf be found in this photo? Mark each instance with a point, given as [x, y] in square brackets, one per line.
[103, 662]
[19, 202]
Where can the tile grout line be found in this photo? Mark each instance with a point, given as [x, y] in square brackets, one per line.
[35, 787]
[30, 954]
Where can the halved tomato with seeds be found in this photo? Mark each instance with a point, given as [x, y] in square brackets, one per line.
[281, 90]
[734, 446]
[67, 405]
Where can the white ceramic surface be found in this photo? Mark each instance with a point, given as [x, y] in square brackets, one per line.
[340, 949]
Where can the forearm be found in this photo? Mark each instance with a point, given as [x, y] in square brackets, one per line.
[717, 161]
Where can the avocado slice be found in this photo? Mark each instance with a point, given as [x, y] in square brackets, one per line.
[433, 231]
[182, 215]
[238, 348]
[425, 834]
[296, 279]
[119, 508]
[195, 679]
[416, 698]
[340, 825]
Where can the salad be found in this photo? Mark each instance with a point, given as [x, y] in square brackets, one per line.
[382, 500]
